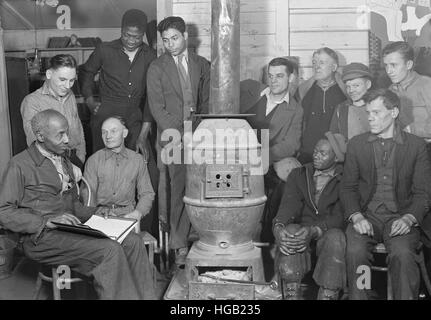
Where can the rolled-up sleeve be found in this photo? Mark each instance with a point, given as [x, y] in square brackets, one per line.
[144, 189]
[89, 70]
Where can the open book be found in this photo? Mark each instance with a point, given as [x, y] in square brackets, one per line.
[115, 228]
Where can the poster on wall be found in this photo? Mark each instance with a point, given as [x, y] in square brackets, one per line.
[401, 20]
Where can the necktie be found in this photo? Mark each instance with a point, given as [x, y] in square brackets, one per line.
[186, 87]
[184, 77]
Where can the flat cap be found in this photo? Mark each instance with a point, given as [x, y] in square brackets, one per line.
[355, 70]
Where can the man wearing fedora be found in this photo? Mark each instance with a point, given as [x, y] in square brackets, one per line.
[310, 219]
[350, 117]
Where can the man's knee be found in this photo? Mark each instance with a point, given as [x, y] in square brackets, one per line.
[335, 240]
[111, 248]
[293, 228]
[356, 245]
[133, 241]
[335, 237]
[401, 250]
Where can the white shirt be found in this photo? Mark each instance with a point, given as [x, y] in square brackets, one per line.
[131, 54]
[185, 61]
[270, 104]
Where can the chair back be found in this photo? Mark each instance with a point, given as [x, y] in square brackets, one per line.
[87, 187]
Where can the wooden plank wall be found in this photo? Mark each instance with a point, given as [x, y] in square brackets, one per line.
[273, 28]
[261, 26]
[338, 24]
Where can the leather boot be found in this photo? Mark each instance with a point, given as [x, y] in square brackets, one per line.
[292, 291]
[327, 294]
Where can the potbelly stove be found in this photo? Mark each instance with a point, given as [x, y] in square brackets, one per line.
[224, 195]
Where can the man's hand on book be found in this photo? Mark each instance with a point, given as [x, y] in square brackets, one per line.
[65, 218]
[103, 212]
[134, 215]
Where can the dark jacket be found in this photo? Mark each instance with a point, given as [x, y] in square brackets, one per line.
[319, 106]
[30, 193]
[285, 127]
[122, 84]
[165, 96]
[340, 119]
[411, 176]
[298, 205]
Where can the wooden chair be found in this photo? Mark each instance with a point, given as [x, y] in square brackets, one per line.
[420, 260]
[151, 242]
[88, 190]
[55, 280]
[55, 277]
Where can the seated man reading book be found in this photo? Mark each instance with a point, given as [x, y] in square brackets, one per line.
[38, 190]
[99, 226]
[117, 175]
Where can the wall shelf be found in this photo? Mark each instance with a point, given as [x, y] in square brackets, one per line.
[81, 54]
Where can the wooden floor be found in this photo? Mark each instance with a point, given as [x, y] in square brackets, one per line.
[21, 284]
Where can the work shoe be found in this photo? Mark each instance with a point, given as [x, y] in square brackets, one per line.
[181, 255]
[327, 294]
[292, 291]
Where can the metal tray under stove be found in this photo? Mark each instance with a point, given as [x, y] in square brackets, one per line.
[179, 289]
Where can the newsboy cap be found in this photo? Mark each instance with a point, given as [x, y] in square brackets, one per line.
[356, 70]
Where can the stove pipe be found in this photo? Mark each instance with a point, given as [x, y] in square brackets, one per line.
[224, 195]
[225, 56]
